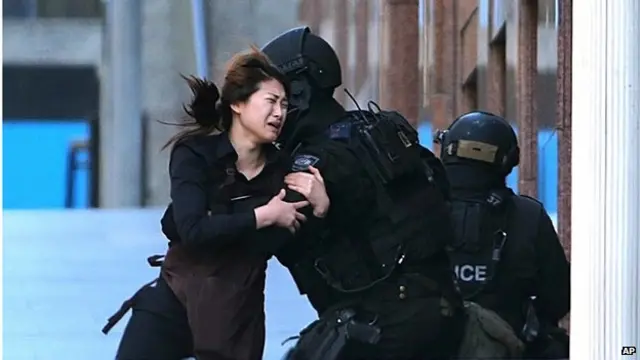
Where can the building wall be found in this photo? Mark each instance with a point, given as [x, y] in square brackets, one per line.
[377, 43]
[52, 42]
[470, 54]
[477, 55]
[352, 28]
[471, 58]
[467, 53]
[247, 22]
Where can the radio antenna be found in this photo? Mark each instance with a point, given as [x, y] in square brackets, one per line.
[355, 102]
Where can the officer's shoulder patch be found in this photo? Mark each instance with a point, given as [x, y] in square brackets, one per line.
[302, 162]
[340, 130]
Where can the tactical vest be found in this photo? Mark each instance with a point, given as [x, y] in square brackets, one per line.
[388, 147]
[480, 235]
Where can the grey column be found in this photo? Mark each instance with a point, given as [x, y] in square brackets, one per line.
[122, 141]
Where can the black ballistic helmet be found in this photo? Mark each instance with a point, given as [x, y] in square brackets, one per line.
[308, 61]
[480, 137]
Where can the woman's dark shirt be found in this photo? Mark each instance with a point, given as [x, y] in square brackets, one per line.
[212, 203]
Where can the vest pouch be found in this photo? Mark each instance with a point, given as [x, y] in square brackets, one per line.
[388, 143]
[488, 336]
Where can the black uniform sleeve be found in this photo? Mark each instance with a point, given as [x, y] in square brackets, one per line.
[190, 198]
[554, 280]
[348, 186]
[349, 190]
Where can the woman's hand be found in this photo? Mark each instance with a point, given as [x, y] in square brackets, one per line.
[280, 213]
[311, 186]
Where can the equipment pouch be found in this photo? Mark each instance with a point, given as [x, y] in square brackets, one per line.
[361, 332]
[488, 336]
[325, 339]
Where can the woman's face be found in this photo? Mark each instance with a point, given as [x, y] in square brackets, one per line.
[263, 114]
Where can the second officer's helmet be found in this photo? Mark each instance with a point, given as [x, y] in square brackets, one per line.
[480, 137]
[308, 61]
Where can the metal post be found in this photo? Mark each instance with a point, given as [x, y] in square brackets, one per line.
[124, 163]
[200, 38]
[605, 206]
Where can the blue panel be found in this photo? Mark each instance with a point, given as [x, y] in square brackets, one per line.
[35, 163]
[425, 135]
[512, 179]
[548, 169]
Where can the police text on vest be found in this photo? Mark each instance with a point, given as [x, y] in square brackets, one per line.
[475, 273]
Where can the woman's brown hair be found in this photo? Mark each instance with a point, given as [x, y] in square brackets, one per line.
[209, 110]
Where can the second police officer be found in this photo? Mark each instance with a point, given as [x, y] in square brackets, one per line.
[506, 253]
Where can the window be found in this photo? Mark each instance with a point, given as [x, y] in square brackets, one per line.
[547, 12]
[470, 93]
[497, 74]
[52, 8]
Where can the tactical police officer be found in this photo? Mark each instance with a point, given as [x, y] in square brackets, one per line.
[506, 253]
[376, 272]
